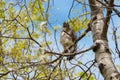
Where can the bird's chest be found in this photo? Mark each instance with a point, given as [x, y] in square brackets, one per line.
[66, 38]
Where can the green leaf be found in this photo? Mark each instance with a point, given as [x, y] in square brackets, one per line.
[1, 14]
[78, 24]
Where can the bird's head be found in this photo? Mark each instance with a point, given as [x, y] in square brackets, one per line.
[66, 25]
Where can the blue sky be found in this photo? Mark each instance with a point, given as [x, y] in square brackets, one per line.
[59, 14]
[60, 10]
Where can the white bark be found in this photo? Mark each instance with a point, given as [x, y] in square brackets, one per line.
[102, 53]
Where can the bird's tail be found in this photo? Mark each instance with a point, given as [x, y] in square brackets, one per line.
[70, 58]
[71, 50]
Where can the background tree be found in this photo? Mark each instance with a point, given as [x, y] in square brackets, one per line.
[29, 51]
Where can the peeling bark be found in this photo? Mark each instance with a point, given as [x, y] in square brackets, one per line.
[102, 54]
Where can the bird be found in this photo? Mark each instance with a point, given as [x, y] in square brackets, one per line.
[67, 39]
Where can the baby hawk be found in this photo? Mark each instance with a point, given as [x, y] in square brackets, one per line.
[67, 38]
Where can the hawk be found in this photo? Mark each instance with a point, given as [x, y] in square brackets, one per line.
[67, 38]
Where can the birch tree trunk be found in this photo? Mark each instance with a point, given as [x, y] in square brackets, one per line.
[99, 27]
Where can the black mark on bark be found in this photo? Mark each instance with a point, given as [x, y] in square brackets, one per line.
[101, 67]
[97, 47]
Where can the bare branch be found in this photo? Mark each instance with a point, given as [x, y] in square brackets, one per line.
[115, 40]
[29, 33]
[86, 71]
[71, 8]
[71, 54]
[12, 37]
[114, 9]
[84, 33]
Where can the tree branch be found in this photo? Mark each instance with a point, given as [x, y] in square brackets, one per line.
[13, 37]
[84, 33]
[114, 9]
[71, 54]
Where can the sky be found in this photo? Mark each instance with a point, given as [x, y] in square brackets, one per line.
[59, 13]
[59, 10]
